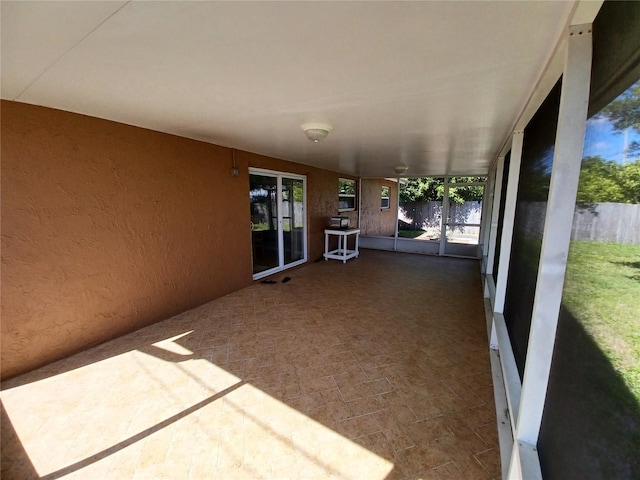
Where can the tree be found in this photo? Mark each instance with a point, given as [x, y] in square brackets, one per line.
[608, 181]
[624, 112]
[630, 181]
[466, 193]
[422, 189]
[427, 189]
[599, 181]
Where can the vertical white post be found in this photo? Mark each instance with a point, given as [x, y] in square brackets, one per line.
[280, 207]
[395, 238]
[485, 215]
[508, 220]
[515, 472]
[495, 214]
[445, 217]
[326, 244]
[557, 230]
[359, 200]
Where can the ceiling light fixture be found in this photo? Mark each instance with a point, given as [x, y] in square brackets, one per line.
[316, 131]
[400, 169]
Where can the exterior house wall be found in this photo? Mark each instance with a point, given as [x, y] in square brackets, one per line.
[373, 220]
[107, 228]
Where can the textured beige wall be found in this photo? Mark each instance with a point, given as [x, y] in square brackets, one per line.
[107, 228]
[373, 220]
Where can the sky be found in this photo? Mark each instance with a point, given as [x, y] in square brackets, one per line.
[602, 140]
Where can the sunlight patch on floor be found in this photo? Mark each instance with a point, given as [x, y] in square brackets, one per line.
[137, 414]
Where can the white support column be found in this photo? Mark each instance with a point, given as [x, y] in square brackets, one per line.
[445, 217]
[395, 237]
[359, 200]
[557, 231]
[508, 220]
[495, 214]
[485, 221]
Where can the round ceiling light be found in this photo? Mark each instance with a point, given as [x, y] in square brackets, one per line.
[316, 131]
[400, 169]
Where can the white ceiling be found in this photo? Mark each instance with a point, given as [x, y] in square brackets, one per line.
[435, 85]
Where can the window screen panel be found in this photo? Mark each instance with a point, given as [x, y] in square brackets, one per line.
[531, 206]
[503, 202]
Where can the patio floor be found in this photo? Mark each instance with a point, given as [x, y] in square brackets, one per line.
[373, 369]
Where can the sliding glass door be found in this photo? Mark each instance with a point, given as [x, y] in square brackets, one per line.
[278, 220]
[293, 219]
[264, 222]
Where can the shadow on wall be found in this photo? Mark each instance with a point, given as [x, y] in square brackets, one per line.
[591, 423]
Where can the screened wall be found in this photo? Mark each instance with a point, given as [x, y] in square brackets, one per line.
[436, 216]
[503, 200]
[590, 427]
[585, 422]
[591, 423]
[531, 206]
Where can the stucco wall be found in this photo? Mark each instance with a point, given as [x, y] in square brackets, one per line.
[373, 220]
[107, 228]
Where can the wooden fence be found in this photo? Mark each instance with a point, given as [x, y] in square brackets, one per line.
[599, 222]
[607, 222]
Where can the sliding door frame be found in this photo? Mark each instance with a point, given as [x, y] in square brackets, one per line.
[280, 223]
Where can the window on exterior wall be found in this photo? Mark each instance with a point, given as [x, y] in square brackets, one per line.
[384, 199]
[346, 195]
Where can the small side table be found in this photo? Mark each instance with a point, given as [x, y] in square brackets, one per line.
[341, 253]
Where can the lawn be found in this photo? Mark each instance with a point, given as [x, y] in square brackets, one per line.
[420, 234]
[602, 290]
[410, 233]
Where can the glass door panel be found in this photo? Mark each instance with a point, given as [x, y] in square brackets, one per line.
[264, 222]
[293, 219]
[278, 227]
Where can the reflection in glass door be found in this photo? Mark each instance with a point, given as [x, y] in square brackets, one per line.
[264, 222]
[293, 219]
[278, 234]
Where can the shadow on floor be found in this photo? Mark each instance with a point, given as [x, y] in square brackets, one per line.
[591, 424]
[388, 351]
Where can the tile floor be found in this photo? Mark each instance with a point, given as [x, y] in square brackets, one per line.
[373, 369]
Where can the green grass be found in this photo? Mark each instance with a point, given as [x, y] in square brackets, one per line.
[410, 233]
[602, 290]
[420, 234]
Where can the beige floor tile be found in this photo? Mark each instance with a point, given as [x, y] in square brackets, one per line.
[490, 459]
[350, 371]
[449, 471]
